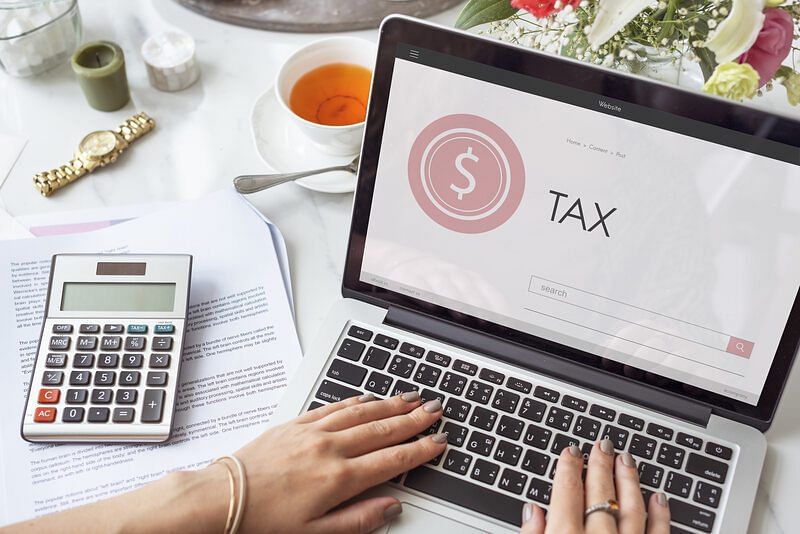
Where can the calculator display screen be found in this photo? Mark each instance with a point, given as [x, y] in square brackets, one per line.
[117, 297]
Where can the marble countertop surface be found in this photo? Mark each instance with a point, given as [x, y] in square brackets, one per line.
[203, 140]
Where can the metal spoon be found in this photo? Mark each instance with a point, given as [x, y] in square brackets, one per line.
[252, 183]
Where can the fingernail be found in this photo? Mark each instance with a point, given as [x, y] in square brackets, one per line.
[366, 398]
[410, 396]
[440, 438]
[393, 511]
[661, 499]
[606, 446]
[628, 460]
[574, 451]
[433, 406]
[527, 512]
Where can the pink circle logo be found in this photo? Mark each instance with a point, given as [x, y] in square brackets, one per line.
[466, 173]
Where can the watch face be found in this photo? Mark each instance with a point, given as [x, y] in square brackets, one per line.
[98, 144]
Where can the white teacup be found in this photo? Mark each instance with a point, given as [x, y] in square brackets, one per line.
[335, 140]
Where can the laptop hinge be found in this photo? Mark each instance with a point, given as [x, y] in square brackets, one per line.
[547, 364]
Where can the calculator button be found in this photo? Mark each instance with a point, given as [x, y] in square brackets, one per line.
[72, 415]
[129, 378]
[164, 329]
[49, 396]
[113, 329]
[56, 360]
[162, 343]
[52, 378]
[107, 361]
[98, 415]
[59, 343]
[152, 406]
[102, 396]
[44, 415]
[86, 343]
[104, 378]
[159, 361]
[89, 329]
[134, 343]
[110, 343]
[126, 396]
[157, 379]
[62, 328]
[132, 361]
[137, 328]
[79, 378]
[123, 415]
[76, 396]
[83, 361]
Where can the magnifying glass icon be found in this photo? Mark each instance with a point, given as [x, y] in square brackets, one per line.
[740, 347]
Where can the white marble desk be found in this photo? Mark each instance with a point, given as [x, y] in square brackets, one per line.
[203, 140]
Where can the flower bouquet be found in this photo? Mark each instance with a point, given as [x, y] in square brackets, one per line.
[740, 45]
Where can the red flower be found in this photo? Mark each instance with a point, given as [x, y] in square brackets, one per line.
[542, 8]
[772, 45]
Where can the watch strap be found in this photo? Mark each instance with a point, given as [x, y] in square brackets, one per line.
[50, 181]
[136, 126]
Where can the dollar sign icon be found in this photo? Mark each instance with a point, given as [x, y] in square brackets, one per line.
[461, 191]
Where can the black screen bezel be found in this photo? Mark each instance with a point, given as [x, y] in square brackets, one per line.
[681, 103]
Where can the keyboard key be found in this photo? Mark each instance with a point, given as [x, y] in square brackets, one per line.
[480, 443]
[659, 431]
[428, 395]
[313, 405]
[132, 361]
[79, 378]
[457, 409]
[52, 378]
[378, 383]
[707, 494]
[465, 367]
[110, 343]
[412, 350]
[720, 451]
[485, 471]
[483, 418]
[517, 384]
[333, 392]
[512, 481]
[83, 361]
[346, 372]
[508, 452]
[706, 467]
[59, 343]
[559, 418]
[98, 415]
[537, 436]
[689, 441]
[586, 428]
[650, 475]
[438, 359]
[433, 429]
[107, 361]
[402, 366]
[511, 428]
[386, 341]
[691, 515]
[539, 491]
[135, 343]
[535, 462]
[126, 396]
[670, 456]
[44, 414]
[86, 343]
[162, 343]
[123, 415]
[561, 442]
[359, 332]
[505, 401]
[401, 387]
[351, 349]
[62, 328]
[546, 394]
[427, 374]
[164, 329]
[153, 405]
[457, 462]
[55, 360]
[532, 410]
[618, 436]
[49, 396]
[495, 377]
[678, 484]
[159, 361]
[156, 379]
[602, 412]
[102, 396]
[137, 328]
[73, 414]
[642, 446]
[453, 383]
[479, 392]
[129, 378]
[113, 329]
[376, 357]
[104, 378]
[89, 329]
[456, 434]
[77, 396]
[464, 493]
[579, 405]
[630, 421]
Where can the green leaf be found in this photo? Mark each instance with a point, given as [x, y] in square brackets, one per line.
[478, 12]
[707, 61]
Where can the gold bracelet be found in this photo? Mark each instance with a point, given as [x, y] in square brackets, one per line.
[241, 494]
[232, 492]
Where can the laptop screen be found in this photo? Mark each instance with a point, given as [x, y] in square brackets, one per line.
[667, 245]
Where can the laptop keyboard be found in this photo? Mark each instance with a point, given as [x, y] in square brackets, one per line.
[505, 432]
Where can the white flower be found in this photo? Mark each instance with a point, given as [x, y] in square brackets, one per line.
[612, 16]
[737, 33]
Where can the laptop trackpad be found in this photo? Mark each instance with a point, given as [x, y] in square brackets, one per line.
[414, 520]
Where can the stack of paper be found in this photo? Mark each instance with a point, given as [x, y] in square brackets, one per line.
[241, 349]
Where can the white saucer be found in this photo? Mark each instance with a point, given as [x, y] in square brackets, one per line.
[284, 148]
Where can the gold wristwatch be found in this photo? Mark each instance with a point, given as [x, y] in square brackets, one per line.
[97, 149]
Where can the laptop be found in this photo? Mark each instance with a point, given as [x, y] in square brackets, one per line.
[563, 253]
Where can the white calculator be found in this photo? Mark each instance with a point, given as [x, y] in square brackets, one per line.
[110, 350]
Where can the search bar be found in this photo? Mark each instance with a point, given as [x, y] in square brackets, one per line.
[613, 317]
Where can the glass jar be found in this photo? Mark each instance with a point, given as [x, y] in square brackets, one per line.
[37, 35]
